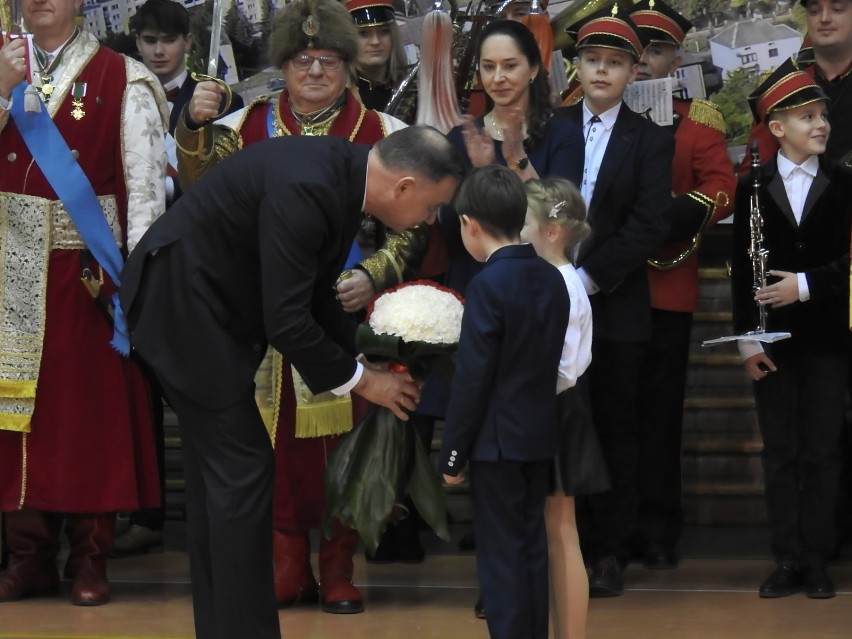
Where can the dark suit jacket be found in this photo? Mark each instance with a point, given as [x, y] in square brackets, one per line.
[818, 247]
[503, 400]
[629, 219]
[250, 255]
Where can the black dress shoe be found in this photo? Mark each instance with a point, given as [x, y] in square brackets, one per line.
[479, 609]
[606, 579]
[784, 581]
[818, 585]
[659, 557]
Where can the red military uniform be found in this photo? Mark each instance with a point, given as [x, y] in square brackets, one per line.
[88, 449]
[703, 182]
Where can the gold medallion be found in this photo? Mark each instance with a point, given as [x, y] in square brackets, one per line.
[47, 89]
[77, 112]
[310, 27]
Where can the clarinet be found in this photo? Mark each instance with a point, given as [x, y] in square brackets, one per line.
[756, 251]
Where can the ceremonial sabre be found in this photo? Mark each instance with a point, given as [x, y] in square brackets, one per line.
[213, 57]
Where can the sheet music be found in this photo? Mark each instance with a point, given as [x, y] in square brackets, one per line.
[652, 98]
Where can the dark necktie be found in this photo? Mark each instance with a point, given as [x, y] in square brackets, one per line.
[171, 94]
[594, 120]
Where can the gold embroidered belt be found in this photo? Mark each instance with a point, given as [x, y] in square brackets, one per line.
[30, 227]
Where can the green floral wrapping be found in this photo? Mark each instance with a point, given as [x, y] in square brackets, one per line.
[381, 460]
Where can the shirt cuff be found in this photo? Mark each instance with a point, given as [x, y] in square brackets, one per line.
[348, 386]
[170, 189]
[804, 291]
[588, 282]
[5, 104]
[749, 347]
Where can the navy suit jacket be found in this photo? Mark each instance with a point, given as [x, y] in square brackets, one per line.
[503, 400]
[249, 256]
[629, 216]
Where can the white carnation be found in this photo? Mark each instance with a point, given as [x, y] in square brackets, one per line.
[418, 313]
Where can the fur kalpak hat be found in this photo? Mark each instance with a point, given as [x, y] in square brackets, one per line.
[610, 28]
[370, 13]
[659, 22]
[785, 88]
[312, 24]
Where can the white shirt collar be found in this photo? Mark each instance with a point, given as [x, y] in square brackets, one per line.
[607, 118]
[786, 166]
[176, 82]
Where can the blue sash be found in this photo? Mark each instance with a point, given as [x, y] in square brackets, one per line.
[63, 173]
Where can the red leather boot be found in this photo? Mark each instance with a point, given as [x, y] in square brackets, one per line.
[294, 579]
[31, 536]
[337, 593]
[91, 544]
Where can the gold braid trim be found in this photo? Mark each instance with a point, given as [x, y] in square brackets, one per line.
[399, 257]
[671, 263]
[708, 114]
[199, 150]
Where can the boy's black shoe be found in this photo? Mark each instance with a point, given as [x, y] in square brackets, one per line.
[658, 557]
[479, 609]
[818, 585]
[784, 581]
[606, 579]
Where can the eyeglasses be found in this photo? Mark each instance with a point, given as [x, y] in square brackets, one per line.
[305, 62]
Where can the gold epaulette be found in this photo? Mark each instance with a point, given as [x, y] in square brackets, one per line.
[708, 114]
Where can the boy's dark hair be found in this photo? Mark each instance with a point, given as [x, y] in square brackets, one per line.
[421, 150]
[168, 16]
[495, 197]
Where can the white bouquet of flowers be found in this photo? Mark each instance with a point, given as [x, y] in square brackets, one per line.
[415, 326]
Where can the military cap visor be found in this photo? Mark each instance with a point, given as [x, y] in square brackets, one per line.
[370, 13]
[608, 29]
[786, 88]
[659, 22]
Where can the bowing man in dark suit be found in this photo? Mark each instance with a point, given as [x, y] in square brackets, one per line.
[502, 410]
[627, 187]
[249, 257]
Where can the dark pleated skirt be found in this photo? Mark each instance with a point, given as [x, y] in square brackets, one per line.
[579, 467]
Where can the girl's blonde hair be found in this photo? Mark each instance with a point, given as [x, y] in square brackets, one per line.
[555, 200]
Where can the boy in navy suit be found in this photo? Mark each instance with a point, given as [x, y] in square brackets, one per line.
[627, 185]
[800, 382]
[502, 410]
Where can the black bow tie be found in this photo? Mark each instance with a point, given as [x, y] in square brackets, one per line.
[171, 94]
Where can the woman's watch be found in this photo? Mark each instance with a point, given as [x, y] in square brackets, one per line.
[520, 164]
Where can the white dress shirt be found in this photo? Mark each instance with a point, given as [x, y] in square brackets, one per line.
[577, 349]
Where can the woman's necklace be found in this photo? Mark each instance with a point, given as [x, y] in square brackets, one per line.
[496, 131]
[46, 67]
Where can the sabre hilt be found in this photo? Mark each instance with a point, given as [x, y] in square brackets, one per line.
[229, 94]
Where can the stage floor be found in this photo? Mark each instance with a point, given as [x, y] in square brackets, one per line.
[711, 595]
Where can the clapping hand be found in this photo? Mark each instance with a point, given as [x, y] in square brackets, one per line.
[478, 143]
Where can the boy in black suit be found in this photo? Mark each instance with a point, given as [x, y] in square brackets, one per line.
[164, 40]
[502, 410]
[627, 187]
[800, 382]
